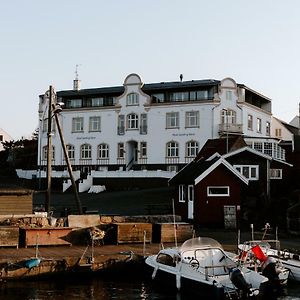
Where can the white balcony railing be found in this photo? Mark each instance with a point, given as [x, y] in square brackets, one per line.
[231, 128]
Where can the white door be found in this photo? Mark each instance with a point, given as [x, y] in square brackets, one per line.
[191, 202]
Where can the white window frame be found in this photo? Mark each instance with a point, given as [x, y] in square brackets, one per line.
[143, 149]
[250, 122]
[74, 103]
[172, 149]
[103, 151]
[132, 121]
[182, 193]
[121, 150]
[132, 99]
[45, 153]
[229, 95]
[98, 101]
[241, 169]
[85, 151]
[192, 119]
[259, 125]
[172, 120]
[209, 194]
[268, 128]
[192, 148]
[77, 124]
[95, 124]
[275, 173]
[71, 151]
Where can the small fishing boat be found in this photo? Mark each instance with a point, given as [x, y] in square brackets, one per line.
[201, 265]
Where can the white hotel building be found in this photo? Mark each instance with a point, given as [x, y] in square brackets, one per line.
[153, 128]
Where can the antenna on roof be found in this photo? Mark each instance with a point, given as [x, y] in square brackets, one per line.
[181, 77]
[76, 81]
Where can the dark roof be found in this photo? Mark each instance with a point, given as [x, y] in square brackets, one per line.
[191, 171]
[219, 145]
[150, 87]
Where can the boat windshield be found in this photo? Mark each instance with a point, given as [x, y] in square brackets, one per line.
[199, 243]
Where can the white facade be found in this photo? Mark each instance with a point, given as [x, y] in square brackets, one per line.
[154, 126]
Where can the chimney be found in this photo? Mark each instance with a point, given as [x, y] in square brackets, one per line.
[76, 84]
[76, 81]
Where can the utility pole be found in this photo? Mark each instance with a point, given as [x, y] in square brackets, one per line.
[49, 152]
[78, 202]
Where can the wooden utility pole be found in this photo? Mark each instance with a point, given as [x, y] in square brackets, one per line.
[78, 202]
[49, 152]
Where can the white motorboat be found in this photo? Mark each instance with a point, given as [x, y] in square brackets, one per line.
[287, 263]
[201, 265]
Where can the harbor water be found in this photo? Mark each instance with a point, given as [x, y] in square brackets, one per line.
[82, 288]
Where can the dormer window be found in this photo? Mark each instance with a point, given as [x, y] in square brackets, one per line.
[133, 99]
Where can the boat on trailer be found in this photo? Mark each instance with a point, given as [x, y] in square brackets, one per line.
[202, 267]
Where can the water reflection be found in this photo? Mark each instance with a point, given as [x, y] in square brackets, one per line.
[94, 288]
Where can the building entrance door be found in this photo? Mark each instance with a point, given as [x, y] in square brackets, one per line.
[190, 202]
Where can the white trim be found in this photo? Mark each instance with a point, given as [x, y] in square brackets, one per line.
[216, 154]
[182, 193]
[215, 165]
[216, 187]
[275, 170]
[256, 167]
[249, 149]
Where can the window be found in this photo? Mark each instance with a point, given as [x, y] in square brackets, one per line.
[192, 119]
[45, 153]
[74, 103]
[172, 149]
[258, 125]
[143, 150]
[250, 122]
[278, 132]
[198, 95]
[191, 149]
[1, 138]
[94, 124]
[258, 146]
[77, 124]
[268, 148]
[172, 120]
[229, 95]
[166, 259]
[248, 171]
[132, 121]
[103, 152]
[268, 128]
[71, 151]
[228, 116]
[133, 99]
[182, 193]
[121, 151]
[86, 151]
[157, 98]
[217, 191]
[97, 101]
[172, 168]
[143, 128]
[275, 173]
[45, 125]
[121, 125]
[179, 96]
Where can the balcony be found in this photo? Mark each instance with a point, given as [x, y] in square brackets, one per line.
[230, 128]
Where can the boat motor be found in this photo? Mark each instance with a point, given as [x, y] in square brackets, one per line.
[237, 278]
[269, 269]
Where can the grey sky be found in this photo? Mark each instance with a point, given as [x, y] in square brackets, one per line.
[255, 42]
